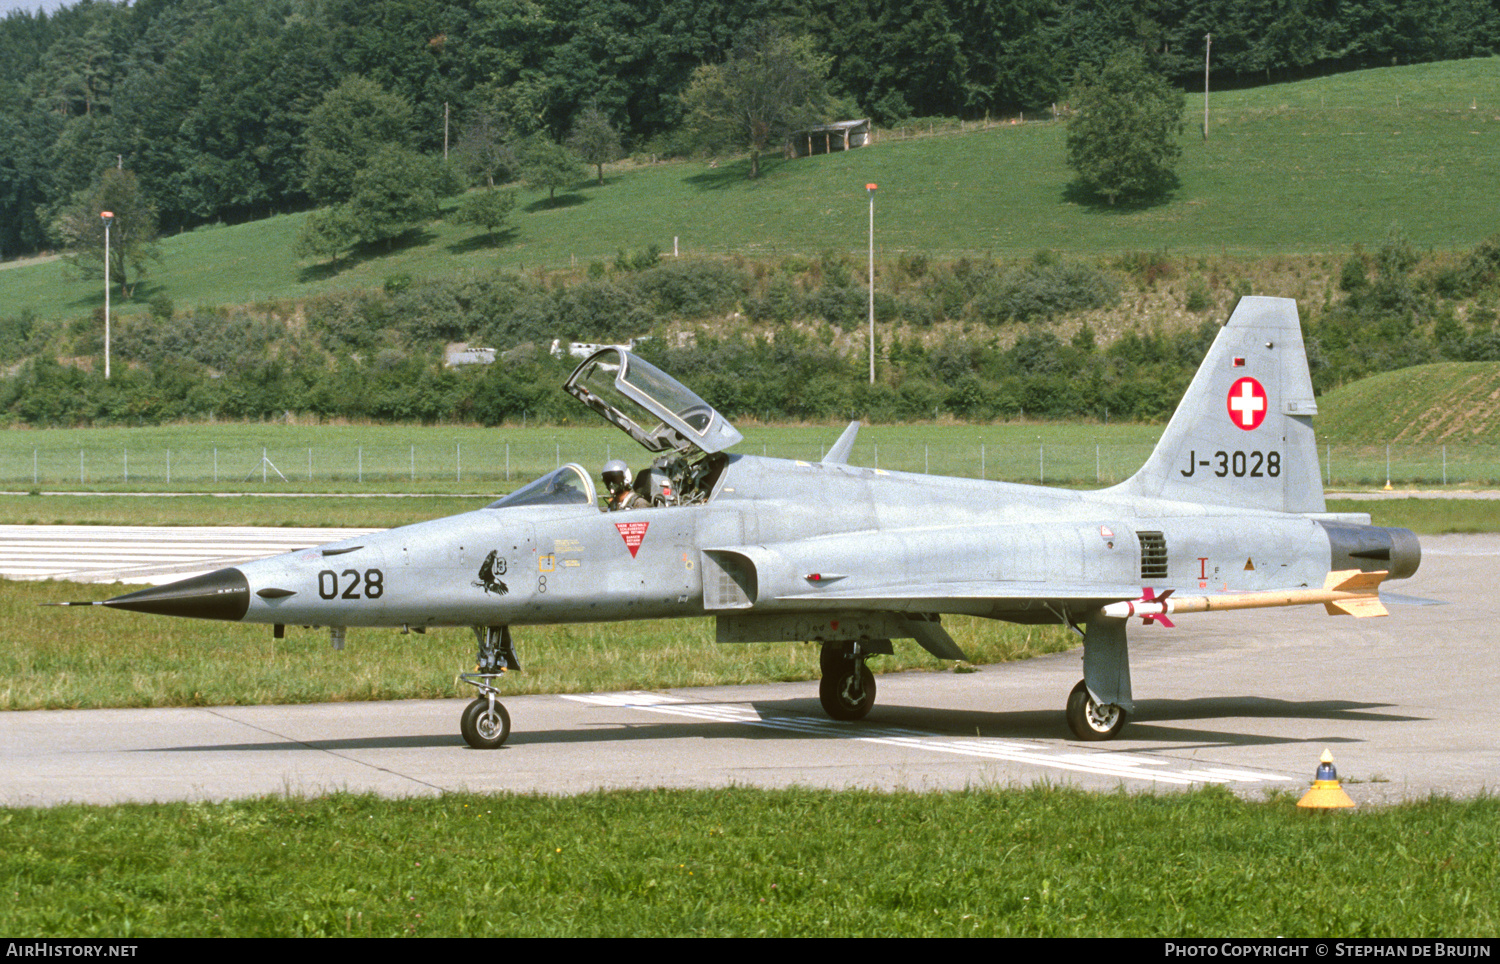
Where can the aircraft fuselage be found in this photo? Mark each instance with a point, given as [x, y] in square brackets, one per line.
[805, 530]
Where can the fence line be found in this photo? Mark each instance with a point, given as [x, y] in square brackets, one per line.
[477, 466]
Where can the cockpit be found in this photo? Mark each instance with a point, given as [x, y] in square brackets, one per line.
[630, 394]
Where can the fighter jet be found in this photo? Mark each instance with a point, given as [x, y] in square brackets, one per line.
[1227, 513]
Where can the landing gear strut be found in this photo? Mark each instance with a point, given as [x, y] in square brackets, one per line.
[847, 691]
[1090, 721]
[485, 724]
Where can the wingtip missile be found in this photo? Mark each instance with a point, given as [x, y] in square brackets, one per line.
[1348, 592]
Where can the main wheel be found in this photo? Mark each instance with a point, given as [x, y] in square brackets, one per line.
[848, 693]
[833, 657]
[483, 729]
[1090, 721]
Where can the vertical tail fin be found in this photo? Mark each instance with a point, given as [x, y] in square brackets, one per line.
[1242, 435]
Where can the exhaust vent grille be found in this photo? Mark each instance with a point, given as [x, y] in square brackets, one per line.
[1153, 555]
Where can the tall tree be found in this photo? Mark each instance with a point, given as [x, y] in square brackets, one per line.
[483, 151]
[547, 165]
[326, 232]
[1122, 138]
[595, 139]
[770, 86]
[132, 230]
[486, 208]
[394, 192]
[356, 120]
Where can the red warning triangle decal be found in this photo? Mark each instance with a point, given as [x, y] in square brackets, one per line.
[634, 533]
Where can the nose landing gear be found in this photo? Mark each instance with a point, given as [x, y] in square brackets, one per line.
[485, 724]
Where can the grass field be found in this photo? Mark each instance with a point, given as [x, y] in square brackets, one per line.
[1425, 516]
[740, 862]
[1457, 402]
[227, 457]
[1314, 166]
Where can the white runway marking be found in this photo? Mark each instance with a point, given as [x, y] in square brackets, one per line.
[144, 554]
[1126, 766]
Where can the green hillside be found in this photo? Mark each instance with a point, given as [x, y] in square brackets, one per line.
[1445, 402]
[1315, 166]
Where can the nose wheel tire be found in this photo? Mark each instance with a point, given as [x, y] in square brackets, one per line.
[1090, 721]
[485, 728]
[848, 692]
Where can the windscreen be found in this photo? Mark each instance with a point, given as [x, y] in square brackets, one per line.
[569, 485]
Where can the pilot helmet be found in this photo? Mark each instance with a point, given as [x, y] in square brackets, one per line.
[615, 472]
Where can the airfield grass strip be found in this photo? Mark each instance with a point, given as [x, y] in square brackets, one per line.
[1426, 516]
[982, 862]
[96, 658]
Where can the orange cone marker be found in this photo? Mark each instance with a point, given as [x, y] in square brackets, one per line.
[1326, 793]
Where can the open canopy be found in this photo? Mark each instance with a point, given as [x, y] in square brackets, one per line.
[632, 394]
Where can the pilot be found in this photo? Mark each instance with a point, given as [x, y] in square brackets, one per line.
[616, 476]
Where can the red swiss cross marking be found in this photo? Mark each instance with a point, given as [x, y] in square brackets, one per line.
[1247, 404]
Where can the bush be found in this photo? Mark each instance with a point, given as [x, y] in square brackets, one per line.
[220, 340]
[1199, 298]
[695, 289]
[780, 303]
[15, 333]
[638, 260]
[841, 307]
[1478, 271]
[1044, 291]
[351, 322]
[600, 311]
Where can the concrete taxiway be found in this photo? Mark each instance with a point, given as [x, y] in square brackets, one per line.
[144, 554]
[1247, 700]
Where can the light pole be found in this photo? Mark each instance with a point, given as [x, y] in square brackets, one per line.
[108, 216]
[1208, 45]
[870, 189]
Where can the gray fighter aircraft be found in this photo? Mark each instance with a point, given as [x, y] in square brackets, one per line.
[1228, 512]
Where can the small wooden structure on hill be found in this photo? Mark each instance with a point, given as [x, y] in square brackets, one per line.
[828, 138]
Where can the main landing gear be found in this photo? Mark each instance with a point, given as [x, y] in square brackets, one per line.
[485, 724]
[1089, 720]
[847, 691]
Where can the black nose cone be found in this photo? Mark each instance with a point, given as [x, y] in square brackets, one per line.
[224, 594]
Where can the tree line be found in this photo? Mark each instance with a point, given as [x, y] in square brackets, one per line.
[212, 104]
